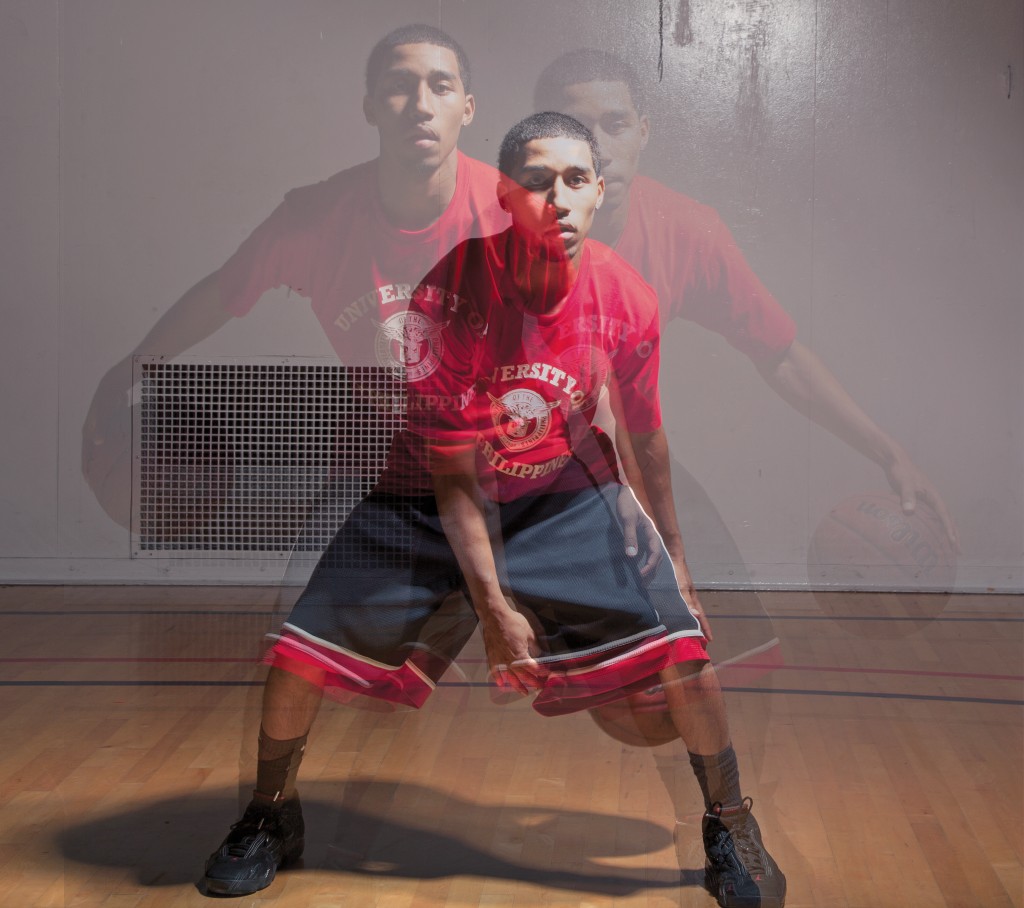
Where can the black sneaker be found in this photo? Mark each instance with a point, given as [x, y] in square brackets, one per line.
[266, 837]
[739, 873]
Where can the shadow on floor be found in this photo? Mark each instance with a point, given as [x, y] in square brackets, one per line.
[386, 829]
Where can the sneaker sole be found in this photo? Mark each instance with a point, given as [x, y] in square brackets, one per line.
[248, 887]
[236, 887]
[711, 884]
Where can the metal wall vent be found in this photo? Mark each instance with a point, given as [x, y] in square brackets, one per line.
[256, 456]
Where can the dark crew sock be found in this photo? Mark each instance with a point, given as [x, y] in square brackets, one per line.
[277, 766]
[719, 778]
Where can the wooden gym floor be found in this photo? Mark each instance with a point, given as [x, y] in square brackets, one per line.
[884, 759]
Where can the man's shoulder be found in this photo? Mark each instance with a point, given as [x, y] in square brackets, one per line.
[315, 201]
[470, 260]
[481, 176]
[477, 197]
[651, 200]
[477, 258]
[607, 264]
[609, 270]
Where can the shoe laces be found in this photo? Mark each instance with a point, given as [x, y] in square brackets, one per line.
[245, 832]
[742, 830]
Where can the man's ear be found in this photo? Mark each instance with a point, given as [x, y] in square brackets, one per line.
[600, 192]
[368, 111]
[645, 131]
[469, 110]
[501, 190]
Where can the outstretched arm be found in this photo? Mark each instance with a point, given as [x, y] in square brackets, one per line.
[106, 432]
[194, 317]
[803, 381]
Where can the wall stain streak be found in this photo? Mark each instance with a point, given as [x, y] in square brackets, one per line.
[683, 34]
[661, 39]
[750, 32]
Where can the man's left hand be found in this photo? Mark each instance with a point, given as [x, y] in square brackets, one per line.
[910, 483]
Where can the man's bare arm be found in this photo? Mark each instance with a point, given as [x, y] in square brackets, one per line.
[194, 317]
[107, 428]
[805, 383]
[508, 638]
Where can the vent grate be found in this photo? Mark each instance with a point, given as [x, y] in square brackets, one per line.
[238, 458]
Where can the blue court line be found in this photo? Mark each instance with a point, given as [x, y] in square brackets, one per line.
[147, 612]
[870, 695]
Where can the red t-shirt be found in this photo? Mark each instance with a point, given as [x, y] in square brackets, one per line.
[332, 243]
[522, 386]
[688, 255]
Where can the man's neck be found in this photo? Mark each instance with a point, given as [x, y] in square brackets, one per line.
[413, 200]
[609, 224]
[544, 283]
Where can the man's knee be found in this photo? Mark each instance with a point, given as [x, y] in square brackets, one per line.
[640, 720]
[697, 676]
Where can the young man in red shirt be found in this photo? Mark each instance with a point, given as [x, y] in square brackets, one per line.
[539, 324]
[355, 246]
[688, 255]
[352, 245]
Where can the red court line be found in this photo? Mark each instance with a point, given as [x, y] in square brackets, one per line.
[101, 660]
[736, 666]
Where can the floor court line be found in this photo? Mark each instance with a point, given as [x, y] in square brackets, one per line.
[199, 660]
[869, 695]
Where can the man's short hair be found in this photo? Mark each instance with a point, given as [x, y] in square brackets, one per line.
[587, 64]
[544, 125]
[413, 34]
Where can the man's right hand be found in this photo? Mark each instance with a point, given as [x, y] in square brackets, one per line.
[511, 645]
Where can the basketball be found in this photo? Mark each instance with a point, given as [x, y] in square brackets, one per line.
[867, 542]
[639, 720]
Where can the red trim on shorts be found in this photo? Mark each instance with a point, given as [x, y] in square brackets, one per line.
[613, 679]
[564, 692]
[739, 672]
[348, 674]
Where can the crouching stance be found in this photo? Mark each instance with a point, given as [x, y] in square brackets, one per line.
[513, 341]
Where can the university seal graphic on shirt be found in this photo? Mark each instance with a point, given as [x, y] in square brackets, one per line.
[522, 418]
[410, 341]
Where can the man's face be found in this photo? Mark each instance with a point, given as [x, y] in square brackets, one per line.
[607, 110]
[419, 105]
[552, 195]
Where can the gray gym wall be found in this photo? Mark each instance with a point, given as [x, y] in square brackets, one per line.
[866, 155]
